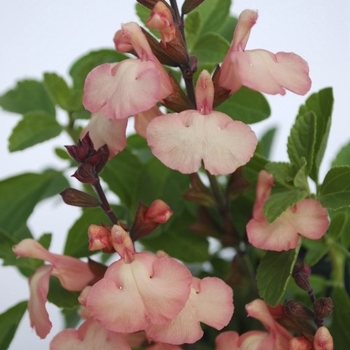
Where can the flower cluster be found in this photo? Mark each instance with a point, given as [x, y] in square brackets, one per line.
[142, 291]
[194, 136]
[152, 300]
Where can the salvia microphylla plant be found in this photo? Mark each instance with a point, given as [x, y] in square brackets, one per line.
[139, 273]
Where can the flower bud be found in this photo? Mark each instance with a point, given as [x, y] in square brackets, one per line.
[296, 309]
[100, 238]
[301, 274]
[323, 307]
[86, 174]
[78, 198]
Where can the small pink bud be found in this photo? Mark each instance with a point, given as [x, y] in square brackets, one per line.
[158, 212]
[323, 339]
[100, 238]
[161, 19]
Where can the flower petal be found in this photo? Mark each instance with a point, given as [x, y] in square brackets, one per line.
[106, 131]
[149, 289]
[181, 141]
[123, 89]
[310, 218]
[73, 274]
[39, 288]
[246, 21]
[89, 336]
[263, 71]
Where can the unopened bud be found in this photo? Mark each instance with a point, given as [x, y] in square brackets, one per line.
[78, 198]
[100, 238]
[86, 174]
[323, 307]
[301, 274]
[323, 339]
[296, 309]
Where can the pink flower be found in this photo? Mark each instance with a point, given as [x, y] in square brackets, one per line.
[104, 131]
[306, 218]
[161, 19]
[276, 337]
[73, 274]
[182, 141]
[260, 69]
[89, 336]
[185, 327]
[123, 89]
[138, 289]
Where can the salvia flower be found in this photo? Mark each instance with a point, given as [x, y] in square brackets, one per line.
[119, 90]
[306, 218]
[183, 141]
[260, 69]
[72, 273]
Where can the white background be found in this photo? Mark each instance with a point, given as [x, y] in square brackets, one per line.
[41, 35]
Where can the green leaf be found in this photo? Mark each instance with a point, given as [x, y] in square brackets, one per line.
[203, 48]
[192, 28]
[121, 174]
[318, 249]
[273, 274]
[302, 139]
[20, 194]
[61, 94]
[228, 28]
[33, 128]
[86, 63]
[335, 190]
[156, 181]
[343, 156]
[177, 240]
[9, 322]
[278, 203]
[213, 14]
[282, 172]
[265, 142]
[27, 96]
[246, 105]
[341, 318]
[321, 104]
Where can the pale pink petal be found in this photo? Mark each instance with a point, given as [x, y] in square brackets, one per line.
[278, 235]
[121, 309]
[267, 72]
[144, 118]
[259, 310]
[227, 341]
[131, 35]
[39, 287]
[89, 336]
[323, 339]
[300, 343]
[149, 289]
[162, 19]
[204, 93]
[310, 218]
[213, 291]
[107, 131]
[181, 141]
[73, 274]
[262, 193]
[185, 327]
[124, 89]
[246, 21]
